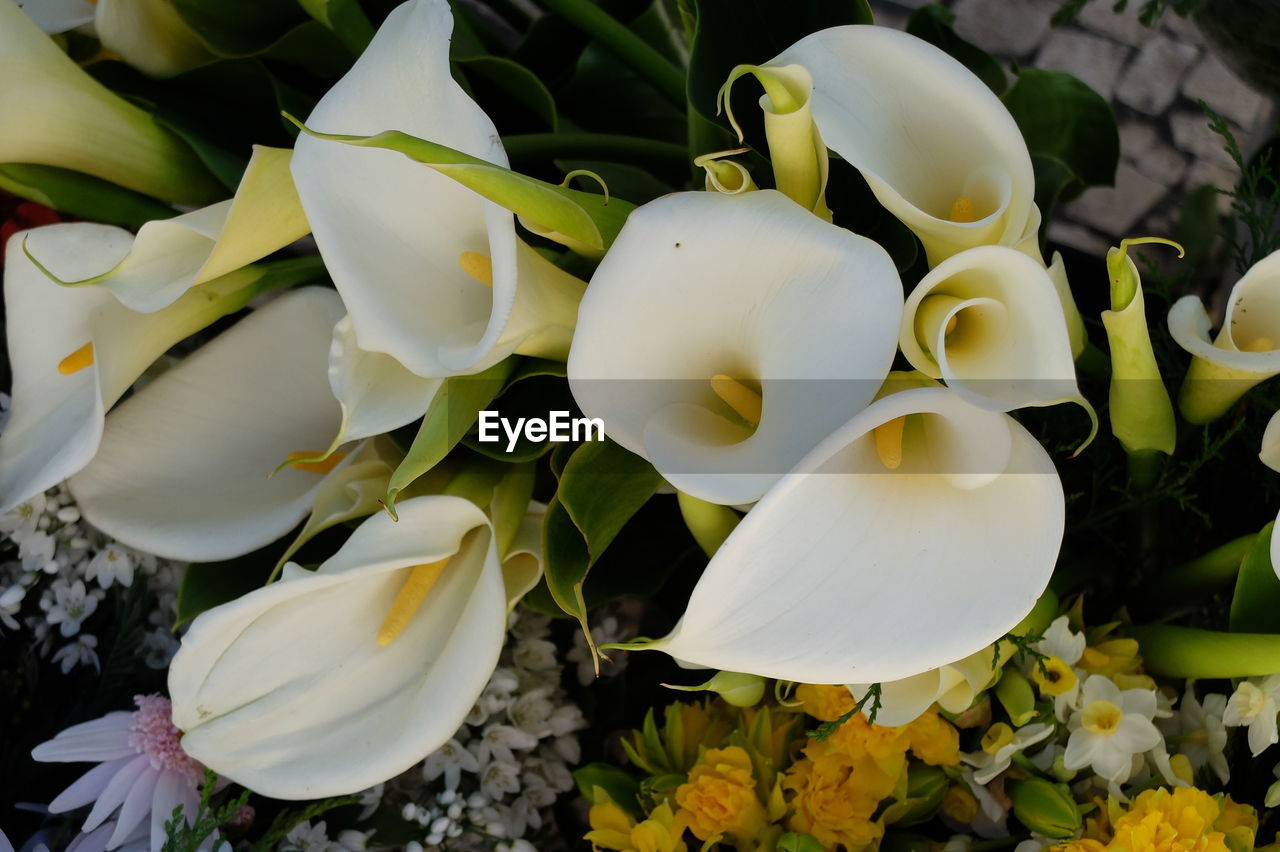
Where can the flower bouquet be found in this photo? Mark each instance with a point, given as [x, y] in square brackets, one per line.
[636, 427]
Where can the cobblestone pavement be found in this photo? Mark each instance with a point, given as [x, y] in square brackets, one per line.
[1153, 77]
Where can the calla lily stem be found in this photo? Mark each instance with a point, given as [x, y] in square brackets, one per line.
[630, 48]
[1185, 652]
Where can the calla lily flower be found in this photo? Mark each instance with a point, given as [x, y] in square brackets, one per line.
[330, 682]
[723, 336]
[75, 350]
[952, 687]
[53, 113]
[150, 35]
[431, 273]
[923, 528]
[937, 147]
[170, 256]
[251, 398]
[988, 322]
[1245, 351]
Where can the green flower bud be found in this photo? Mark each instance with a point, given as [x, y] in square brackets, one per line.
[1045, 807]
[1016, 696]
[926, 787]
[737, 689]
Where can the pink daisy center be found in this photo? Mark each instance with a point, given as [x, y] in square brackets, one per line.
[154, 734]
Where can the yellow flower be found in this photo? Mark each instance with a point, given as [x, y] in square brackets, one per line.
[1164, 821]
[1112, 657]
[1239, 822]
[825, 703]
[613, 828]
[720, 798]
[960, 805]
[1084, 844]
[934, 740]
[834, 801]
[1054, 677]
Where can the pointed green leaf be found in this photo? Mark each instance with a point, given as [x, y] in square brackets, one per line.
[82, 195]
[1062, 117]
[1255, 608]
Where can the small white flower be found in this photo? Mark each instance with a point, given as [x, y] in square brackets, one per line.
[999, 745]
[369, 801]
[531, 712]
[450, 760]
[159, 646]
[36, 551]
[70, 606]
[23, 519]
[82, 652]
[1112, 726]
[305, 837]
[111, 564]
[10, 603]
[500, 777]
[1200, 734]
[499, 741]
[536, 654]
[606, 631]
[1254, 704]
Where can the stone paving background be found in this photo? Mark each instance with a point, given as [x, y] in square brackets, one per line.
[1153, 78]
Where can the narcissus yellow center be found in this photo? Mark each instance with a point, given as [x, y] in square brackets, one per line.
[1054, 678]
[888, 437]
[1101, 717]
[478, 266]
[296, 461]
[745, 400]
[962, 210]
[997, 737]
[408, 599]
[77, 361]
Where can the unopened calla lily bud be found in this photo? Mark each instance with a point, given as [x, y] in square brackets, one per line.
[1044, 807]
[1245, 351]
[52, 113]
[796, 149]
[727, 176]
[737, 689]
[1141, 413]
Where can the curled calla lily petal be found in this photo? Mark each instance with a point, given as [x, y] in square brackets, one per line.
[1270, 453]
[952, 687]
[329, 682]
[937, 147]
[54, 114]
[988, 322]
[247, 400]
[150, 35]
[1245, 351]
[923, 528]
[58, 16]
[170, 256]
[522, 562]
[432, 273]
[75, 351]
[723, 336]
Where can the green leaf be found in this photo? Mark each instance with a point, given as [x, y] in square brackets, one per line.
[933, 24]
[81, 195]
[602, 486]
[585, 222]
[209, 584]
[503, 86]
[1062, 117]
[793, 842]
[345, 19]
[537, 397]
[621, 788]
[733, 32]
[239, 27]
[1256, 604]
[1054, 180]
[453, 411]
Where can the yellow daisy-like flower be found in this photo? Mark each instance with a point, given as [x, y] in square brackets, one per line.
[1239, 822]
[613, 828]
[834, 800]
[1163, 821]
[719, 799]
[824, 703]
[934, 740]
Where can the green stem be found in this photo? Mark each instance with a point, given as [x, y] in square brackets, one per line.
[607, 146]
[630, 48]
[1185, 652]
[1205, 574]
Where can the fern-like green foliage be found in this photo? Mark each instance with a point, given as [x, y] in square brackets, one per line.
[826, 729]
[183, 837]
[1255, 200]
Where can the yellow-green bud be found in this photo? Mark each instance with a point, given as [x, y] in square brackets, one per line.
[1016, 696]
[1044, 807]
[926, 788]
[737, 689]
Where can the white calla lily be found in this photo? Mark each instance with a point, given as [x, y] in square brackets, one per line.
[1245, 351]
[330, 682]
[723, 336]
[170, 256]
[923, 528]
[58, 16]
[432, 274]
[52, 113]
[937, 147]
[74, 351]
[988, 322]
[183, 467]
[150, 35]
[952, 687]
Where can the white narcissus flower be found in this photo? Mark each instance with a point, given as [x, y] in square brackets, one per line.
[922, 528]
[952, 687]
[170, 256]
[1198, 732]
[937, 146]
[999, 745]
[988, 322]
[1057, 676]
[76, 350]
[723, 336]
[1112, 726]
[329, 682]
[1245, 351]
[432, 274]
[1254, 705]
[53, 113]
[183, 467]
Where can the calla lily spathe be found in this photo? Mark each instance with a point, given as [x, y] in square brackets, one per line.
[183, 467]
[937, 147]
[76, 350]
[723, 336]
[432, 274]
[52, 113]
[922, 529]
[988, 322]
[150, 35]
[170, 256]
[1245, 351]
[952, 687]
[291, 691]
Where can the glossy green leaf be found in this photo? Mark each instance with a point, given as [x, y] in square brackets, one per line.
[620, 787]
[933, 24]
[209, 584]
[345, 19]
[1061, 117]
[1255, 607]
[501, 84]
[239, 27]
[78, 194]
[793, 842]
